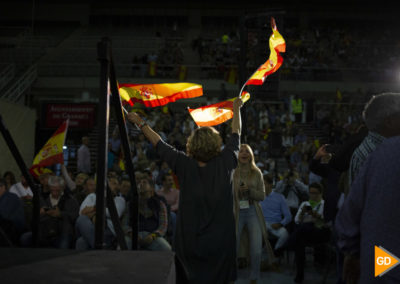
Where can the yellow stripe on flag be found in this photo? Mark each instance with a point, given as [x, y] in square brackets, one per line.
[215, 114]
[153, 95]
[276, 45]
[52, 151]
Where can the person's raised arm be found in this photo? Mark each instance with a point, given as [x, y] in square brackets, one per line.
[237, 120]
[150, 134]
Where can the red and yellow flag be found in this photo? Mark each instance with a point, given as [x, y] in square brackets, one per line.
[216, 113]
[153, 95]
[52, 151]
[276, 45]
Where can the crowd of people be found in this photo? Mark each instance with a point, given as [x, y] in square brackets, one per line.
[275, 210]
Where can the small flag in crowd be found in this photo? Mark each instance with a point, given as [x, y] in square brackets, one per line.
[216, 113]
[51, 153]
[154, 95]
[276, 45]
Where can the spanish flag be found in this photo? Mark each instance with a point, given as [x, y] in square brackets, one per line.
[52, 151]
[216, 113]
[276, 45]
[154, 95]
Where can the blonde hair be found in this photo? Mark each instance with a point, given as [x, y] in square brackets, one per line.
[253, 167]
[204, 144]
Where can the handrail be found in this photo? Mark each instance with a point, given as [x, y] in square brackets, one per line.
[6, 75]
[17, 89]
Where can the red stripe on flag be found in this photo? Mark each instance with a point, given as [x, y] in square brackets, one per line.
[169, 99]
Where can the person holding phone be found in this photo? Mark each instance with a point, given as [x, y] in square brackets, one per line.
[310, 228]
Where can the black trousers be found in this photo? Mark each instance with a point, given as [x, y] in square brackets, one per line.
[305, 234]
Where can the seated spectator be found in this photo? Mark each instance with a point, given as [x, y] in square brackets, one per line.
[58, 213]
[300, 137]
[89, 186]
[12, 219]
[287, 118]
[22, 189]
[125, 188]
[287, 139]
[9, 179]
[293, 189]
[114, 185]
[310, 228]
[276, 213]
[44, 183]
[303, 168]
[153, 218]
[85, 223]
[170, 194]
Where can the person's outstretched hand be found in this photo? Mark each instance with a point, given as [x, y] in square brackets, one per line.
[134, 117]
[237, 103]
[321, 152]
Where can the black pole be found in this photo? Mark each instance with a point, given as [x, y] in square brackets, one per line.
[134, 200]
[21, 164]
[103, 53]
[115, 219]
[243, 70]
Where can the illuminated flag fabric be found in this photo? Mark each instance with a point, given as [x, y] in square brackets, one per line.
[276, 45]
[216, 113]
[38, 171]
[153, 95]
[52, 151]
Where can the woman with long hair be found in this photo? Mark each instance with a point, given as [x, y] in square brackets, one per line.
[249, 190]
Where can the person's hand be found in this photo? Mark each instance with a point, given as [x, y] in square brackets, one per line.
[243, 188]
[42, 211]
[237, 103]
[146, 241]
[134, 117]
[304, 210]
[276, 226]
[54, 212]
[351, 269]
[26, 197]
[321, 152]
[89, 211]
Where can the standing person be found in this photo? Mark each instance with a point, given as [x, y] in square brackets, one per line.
[370, 216]
[205, 235]
[83, 162]
[381, 116]
[249, 189]
[297, 108]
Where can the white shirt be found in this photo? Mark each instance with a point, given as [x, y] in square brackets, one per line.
[120, 205]
[20, 190]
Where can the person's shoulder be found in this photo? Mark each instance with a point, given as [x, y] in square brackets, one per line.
[90, 197]
[278, 195]
[13, 188]
[11, 196]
